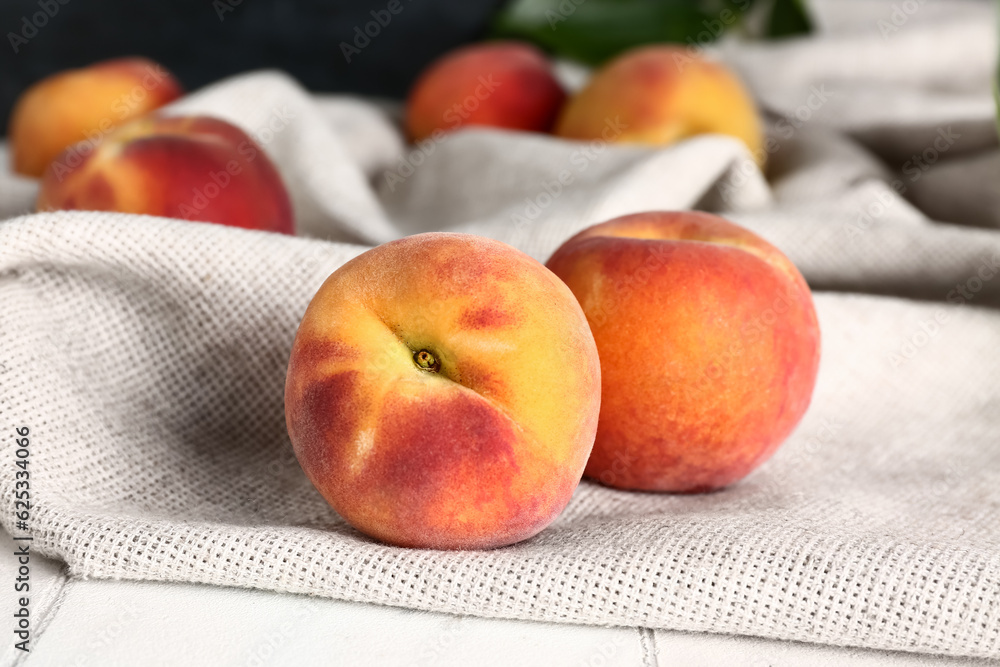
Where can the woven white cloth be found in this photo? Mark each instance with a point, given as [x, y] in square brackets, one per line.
[147, 356]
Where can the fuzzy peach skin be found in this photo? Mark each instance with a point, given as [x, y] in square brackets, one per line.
[189, 167]
[83, 104]
[709, 347]
[661, 95]
[498, 84]
[443, 392]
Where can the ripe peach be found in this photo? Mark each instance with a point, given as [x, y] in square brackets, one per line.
[500, 84]
[83, 104]
[663, 94]
[709, 347]
[191, 167]
[443, 392]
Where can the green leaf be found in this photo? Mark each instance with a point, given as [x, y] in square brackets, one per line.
[788, 17]
[592, 31]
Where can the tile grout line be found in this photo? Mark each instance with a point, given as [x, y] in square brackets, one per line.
[647, 642]
[49, 613]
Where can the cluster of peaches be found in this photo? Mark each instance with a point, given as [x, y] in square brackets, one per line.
[657, 94]
[446, 390]
[94, 139]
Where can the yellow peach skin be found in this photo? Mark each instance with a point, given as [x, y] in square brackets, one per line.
[661, 95]
[443, 392]
[709, 347]
[83, 105]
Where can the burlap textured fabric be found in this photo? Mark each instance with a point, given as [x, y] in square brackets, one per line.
[147, 356]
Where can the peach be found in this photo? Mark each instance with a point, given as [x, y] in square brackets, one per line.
[190, 167]
[499, 84]
[709, 347]
[662, 94]
[83, 104]
[443, 392]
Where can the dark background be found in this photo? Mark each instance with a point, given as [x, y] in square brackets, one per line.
[191, 39]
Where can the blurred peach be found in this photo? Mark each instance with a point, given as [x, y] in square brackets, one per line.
[663, 94]
[190, 167]
[498, 84]
[83, 104]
